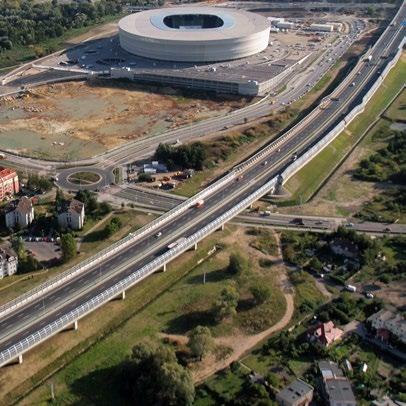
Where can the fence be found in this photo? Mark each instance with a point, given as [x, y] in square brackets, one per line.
[111, 250]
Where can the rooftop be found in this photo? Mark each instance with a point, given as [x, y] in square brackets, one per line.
[71, 205]
[295, 390]
[166, 23]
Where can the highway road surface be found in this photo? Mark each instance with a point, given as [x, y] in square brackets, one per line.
[29, 318]
[159, 202]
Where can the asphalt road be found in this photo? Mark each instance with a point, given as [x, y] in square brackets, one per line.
[160, 202]
[28, 319]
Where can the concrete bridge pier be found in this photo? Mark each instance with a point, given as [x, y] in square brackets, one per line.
[221, 228]
[164, 268]
[20, 359]
[195, 246]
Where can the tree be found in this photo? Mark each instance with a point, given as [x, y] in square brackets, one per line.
[226, 305]
[18, 246]
[315, 264]
[200, 341]
[68, 247]
[105, 208]
[112, 227]
[260, 293]
[289, 253]
[236, 264]
[154, 377]
[89, 200]
[59, 197]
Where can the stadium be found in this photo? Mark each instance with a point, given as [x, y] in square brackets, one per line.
[194, 34]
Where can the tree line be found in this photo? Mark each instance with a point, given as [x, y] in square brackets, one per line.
[387, 164]
[25, 22]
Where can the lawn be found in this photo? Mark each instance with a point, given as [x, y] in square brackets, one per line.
[306, 182]
[396, 112]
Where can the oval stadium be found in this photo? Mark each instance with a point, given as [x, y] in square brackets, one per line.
[194, 34]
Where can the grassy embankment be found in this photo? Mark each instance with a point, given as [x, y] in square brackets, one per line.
[305, 183]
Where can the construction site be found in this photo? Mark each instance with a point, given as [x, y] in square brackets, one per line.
[80, 119]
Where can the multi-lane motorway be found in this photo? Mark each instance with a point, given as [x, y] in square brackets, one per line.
[39, 312]
[158, 202]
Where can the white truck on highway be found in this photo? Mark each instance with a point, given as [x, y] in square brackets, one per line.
[177, 242]
[199, 203]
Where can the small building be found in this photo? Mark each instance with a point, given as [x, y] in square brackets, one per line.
[326, 334]
[297, 393]
[386, 321]
[19, 212]
[336, 388]
[9, 184]
[287, 25]
[8, 262]
[154, 167]
[71, 214]
[321, 27]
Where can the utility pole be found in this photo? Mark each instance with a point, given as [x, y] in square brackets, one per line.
[52, 392]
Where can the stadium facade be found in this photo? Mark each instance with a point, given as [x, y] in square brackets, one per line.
[194, 34]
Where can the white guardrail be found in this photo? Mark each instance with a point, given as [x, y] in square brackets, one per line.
[92, 304]
[97, 301]
[112, 249]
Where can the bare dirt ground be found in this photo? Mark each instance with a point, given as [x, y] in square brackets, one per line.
[393, 293]
[80, 119]
[239, 343]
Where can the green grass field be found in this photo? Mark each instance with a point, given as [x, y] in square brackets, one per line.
[397, 111]
[305, 183]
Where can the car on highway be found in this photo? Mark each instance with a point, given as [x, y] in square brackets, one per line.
[297, 221]
[158, 234]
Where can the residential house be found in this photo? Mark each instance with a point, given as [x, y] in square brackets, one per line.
[336, 388]
[326, 334]
[19, 212]
[8, 262]
[387, 323]
[9, 184]
[297, 393]
[71, 214]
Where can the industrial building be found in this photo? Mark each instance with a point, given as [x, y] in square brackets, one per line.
[194, 34]
[321, 27]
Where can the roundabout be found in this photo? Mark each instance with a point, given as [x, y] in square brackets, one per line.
[84, 178]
